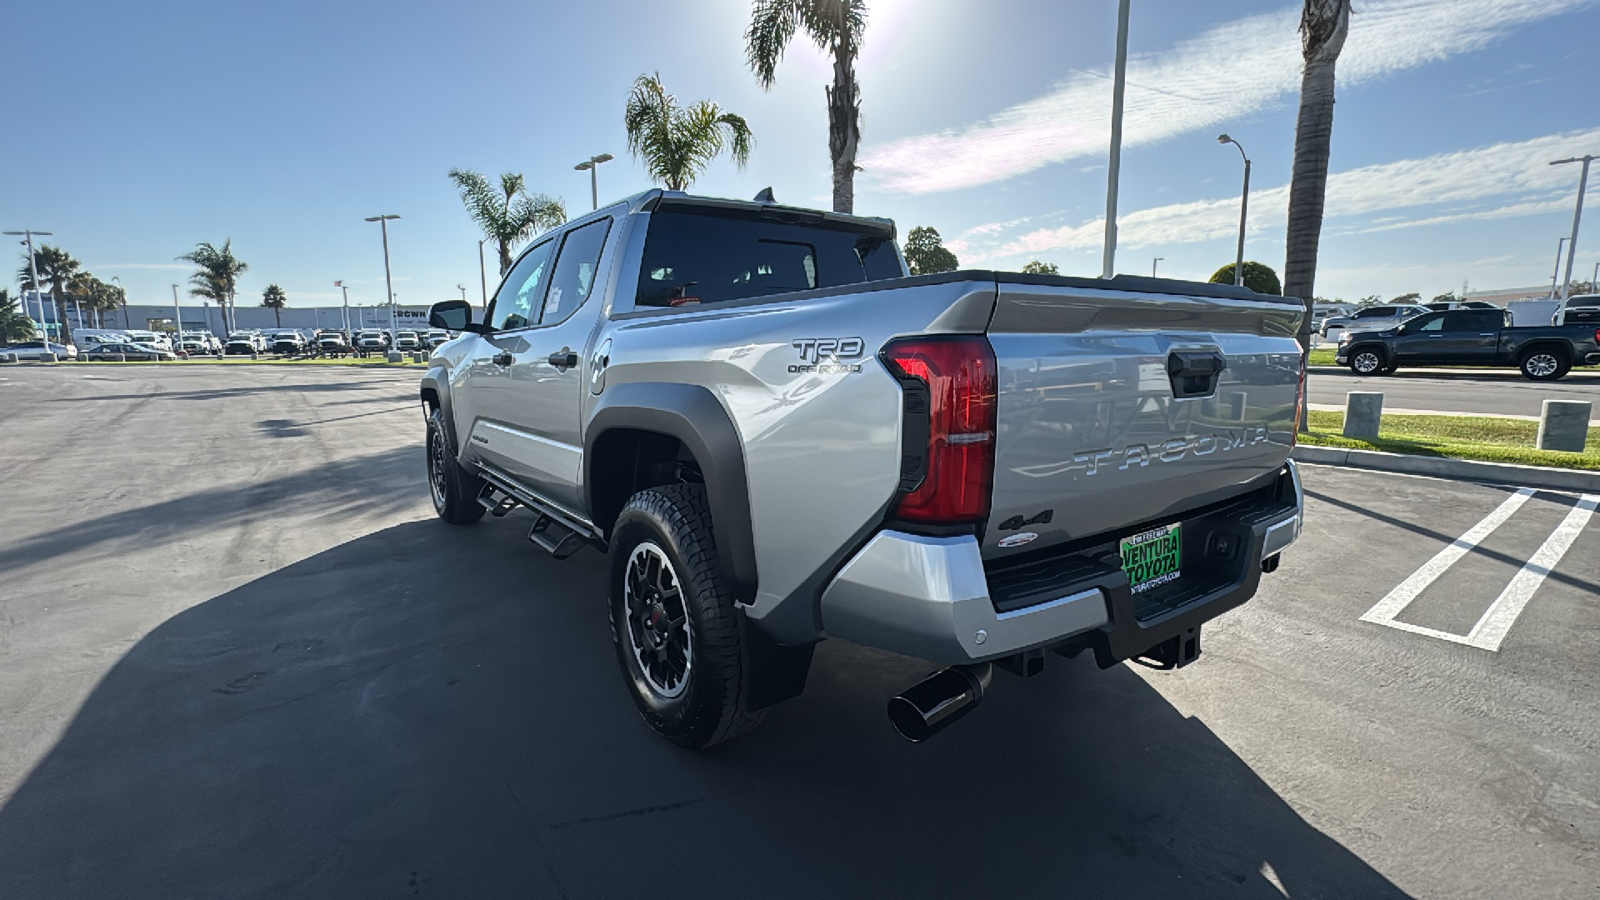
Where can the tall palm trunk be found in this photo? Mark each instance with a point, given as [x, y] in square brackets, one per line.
[63, 327]
[1323, 26]
[844, 126]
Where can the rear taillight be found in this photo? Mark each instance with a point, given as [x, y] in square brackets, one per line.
[1597, 335]
[948, 465]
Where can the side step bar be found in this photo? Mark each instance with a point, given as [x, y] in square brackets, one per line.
[560, 533]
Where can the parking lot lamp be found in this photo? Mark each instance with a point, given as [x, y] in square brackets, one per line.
[1244, 207]
[592, 165]
[1119, 81]
[345, 315]
[1572, 242]
[124, 298]
[388, 283]
[1153, 264]
[33, 264]
[1557, 273]
[177, 321]
[483, 277]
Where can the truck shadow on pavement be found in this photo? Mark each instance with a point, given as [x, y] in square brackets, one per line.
[429, 710]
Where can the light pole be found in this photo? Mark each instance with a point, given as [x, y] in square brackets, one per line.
[177, 321]
[388, 283]
[592, 165]
[124, 298]
[1572, 242]
[1119, 82]
[33, 266]
[483, 278]
[1244, 207]
[463, 289]
[1153, 263]
[346, 314]
[1557, 273]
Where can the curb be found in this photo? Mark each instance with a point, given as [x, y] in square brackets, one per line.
[1461, 469]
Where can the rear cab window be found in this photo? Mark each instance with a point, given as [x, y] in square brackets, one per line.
[696, 255]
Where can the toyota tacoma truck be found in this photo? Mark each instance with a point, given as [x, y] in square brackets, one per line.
[1472, 337]
[777, 436]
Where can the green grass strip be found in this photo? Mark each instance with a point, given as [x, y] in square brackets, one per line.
[1458, 437]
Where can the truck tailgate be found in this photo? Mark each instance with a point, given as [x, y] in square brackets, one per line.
[1128, 405]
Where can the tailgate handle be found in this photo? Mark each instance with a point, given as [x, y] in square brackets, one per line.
[1194, 373]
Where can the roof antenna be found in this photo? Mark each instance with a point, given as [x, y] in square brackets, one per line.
[766, 196]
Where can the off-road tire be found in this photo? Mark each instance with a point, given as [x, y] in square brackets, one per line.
[712, 704]
[1367, 361]
[1540, 364]
[454, 491]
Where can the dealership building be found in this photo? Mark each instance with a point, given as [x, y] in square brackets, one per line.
[205, 317]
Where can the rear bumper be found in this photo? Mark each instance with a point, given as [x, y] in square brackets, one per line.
[931, 597]
[1591, 359]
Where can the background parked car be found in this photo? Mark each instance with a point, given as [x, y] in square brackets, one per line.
[33, 350]
[1374, 317]
[129, 352]
[243, 343]
[1446, 305]
[332, 343]
[408, 341]
[287, 342]
[150, 338]
[436, 336]
[372, 341]
[1581, 308]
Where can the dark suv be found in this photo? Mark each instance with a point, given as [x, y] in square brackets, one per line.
[1580, 309]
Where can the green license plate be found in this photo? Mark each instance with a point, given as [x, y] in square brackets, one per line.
[1153, 558]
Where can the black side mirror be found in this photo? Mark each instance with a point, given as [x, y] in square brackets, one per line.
[451, 315]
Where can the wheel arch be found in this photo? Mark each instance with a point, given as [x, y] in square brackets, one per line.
[1560, 349]
[636, 426]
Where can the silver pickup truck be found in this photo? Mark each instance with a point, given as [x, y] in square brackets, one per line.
[778, 436]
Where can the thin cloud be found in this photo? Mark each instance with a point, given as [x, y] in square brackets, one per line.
[1452, 187]
[162, 267]
[1203, 82]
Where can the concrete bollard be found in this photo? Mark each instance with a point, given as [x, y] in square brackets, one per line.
[1363, 412]
[8, 357]
[396, 356]
[47, 357]
[1564, 425]
[255, 354]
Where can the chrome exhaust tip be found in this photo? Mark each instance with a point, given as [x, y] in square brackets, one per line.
[929, 706]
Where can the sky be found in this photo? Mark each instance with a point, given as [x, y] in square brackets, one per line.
[150, 127]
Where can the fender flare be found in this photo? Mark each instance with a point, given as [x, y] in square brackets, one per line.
[435, 383]
[696, 418]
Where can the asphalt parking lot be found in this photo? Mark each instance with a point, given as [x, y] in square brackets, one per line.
[239, 658]
[1468, 391]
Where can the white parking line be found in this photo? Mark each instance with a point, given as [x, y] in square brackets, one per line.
[1491, 629]
[1399, 598]
[1496, 621]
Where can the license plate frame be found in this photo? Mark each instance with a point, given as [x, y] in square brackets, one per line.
[1152, 558]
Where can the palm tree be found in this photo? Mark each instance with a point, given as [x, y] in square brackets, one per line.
[57, 271]
[836, 27]
[1323, 26]
[275, 299]
[508, 215]
[15, 325]
[218, 277]
[676, 143]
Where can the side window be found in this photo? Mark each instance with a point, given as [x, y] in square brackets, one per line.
[577, 269]
[1434, 324]
[514, 302]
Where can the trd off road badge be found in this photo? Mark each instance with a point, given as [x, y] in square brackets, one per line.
[827, 356]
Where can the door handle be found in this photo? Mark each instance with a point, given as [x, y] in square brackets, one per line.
[563, 358]
[503, 359]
